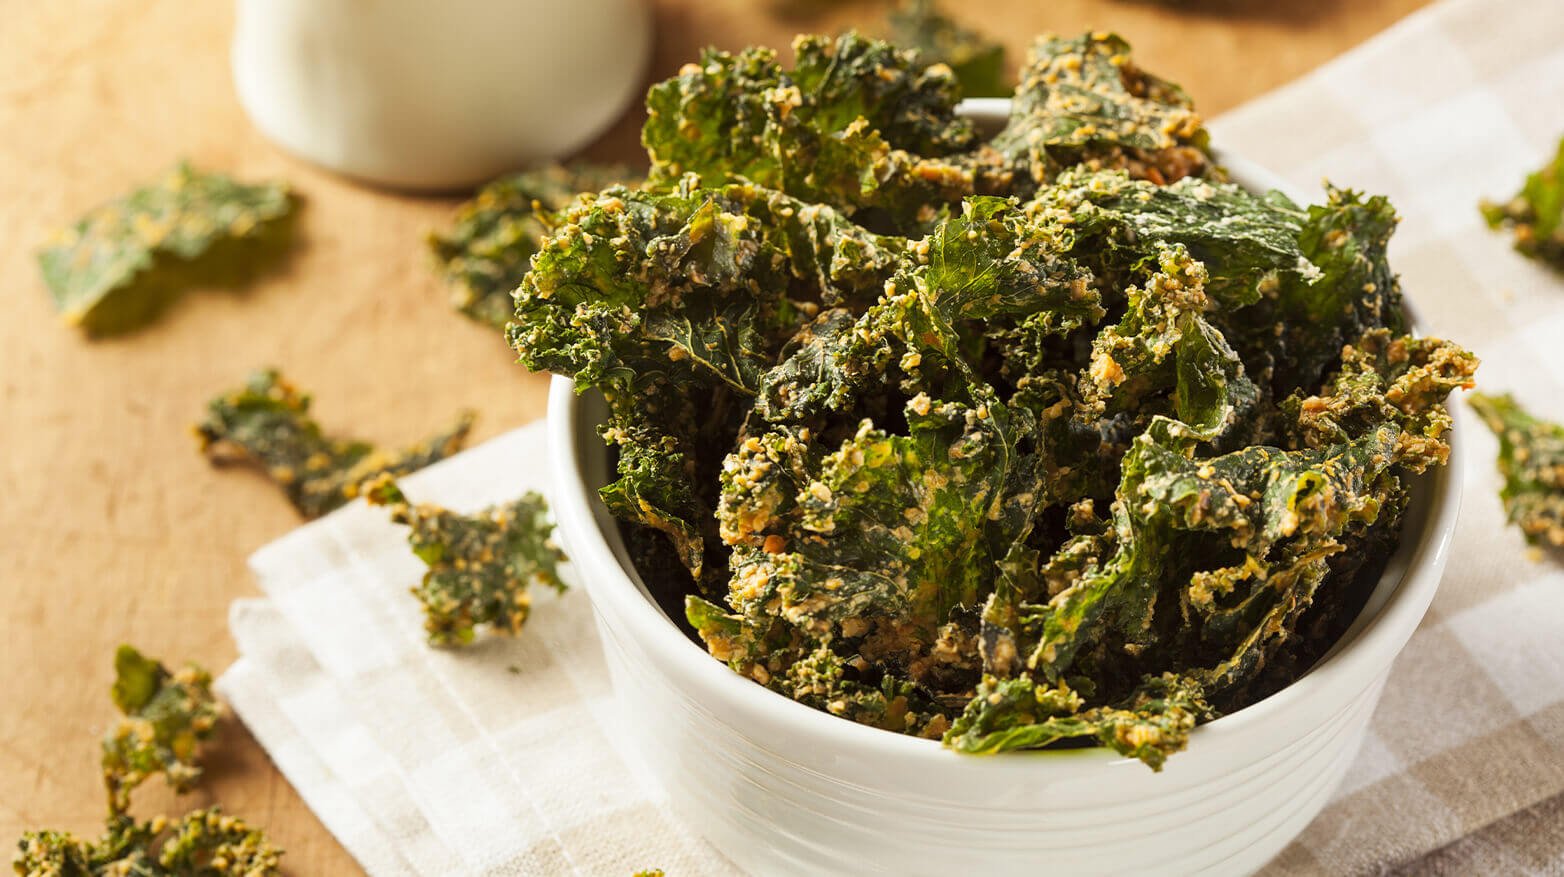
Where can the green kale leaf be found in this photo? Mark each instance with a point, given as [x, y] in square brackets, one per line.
[120, 265]
[1083, 101]
[1531, 459]
[856, 124]
[673, 304]
[203, 843]
[977, 62]
[1535, 215]
[166, 717]
[1352, 291]
[1018, 713]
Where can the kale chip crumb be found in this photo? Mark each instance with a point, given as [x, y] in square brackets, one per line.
[166, 716]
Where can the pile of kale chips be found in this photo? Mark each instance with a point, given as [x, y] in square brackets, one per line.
[1049, 437]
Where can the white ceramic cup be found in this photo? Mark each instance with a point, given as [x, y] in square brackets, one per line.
[437, 94]
[780, 788]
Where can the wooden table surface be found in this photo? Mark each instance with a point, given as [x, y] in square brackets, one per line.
[113, 529]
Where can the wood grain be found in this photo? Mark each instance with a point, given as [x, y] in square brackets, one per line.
[113, 529]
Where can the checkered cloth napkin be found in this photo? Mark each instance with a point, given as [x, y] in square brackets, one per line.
[493, 759]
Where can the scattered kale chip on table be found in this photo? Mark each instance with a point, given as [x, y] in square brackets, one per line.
[1057, 438]
[480, 565]
[1531, 459]
[267, 424]
[119, 266]
[1535, 215]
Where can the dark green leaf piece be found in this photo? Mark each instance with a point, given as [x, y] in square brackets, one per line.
[480, 565]
[203, 843]
[1535, 215]
[118, 266]
[166, 716]
[992, 266]
[488, 250]
[1351, 291]
[977, 61]
[1083, 101]
[1531, 459]
[266, 423]
[857, 124]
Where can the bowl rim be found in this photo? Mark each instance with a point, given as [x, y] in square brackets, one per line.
[1360, 656]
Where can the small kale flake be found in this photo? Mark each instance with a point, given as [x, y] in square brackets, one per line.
[480, 565]
[1531, 459]
[166, 716]
[1536, 213]
[266, 423]
[203, 843]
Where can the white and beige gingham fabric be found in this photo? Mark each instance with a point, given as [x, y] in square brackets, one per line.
[493, 760]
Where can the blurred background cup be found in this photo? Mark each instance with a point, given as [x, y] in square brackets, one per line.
[437, 94]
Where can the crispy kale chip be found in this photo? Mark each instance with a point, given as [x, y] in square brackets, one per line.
[117, 267]
[1351, 289]
[977, 61]
[480, 565]
[166, 715]
[1083, 101]
[266, 423]
[489, 249]
[203, 843]
[1531, 459]
[1117, 225]
[856, 124]
[1536, 213]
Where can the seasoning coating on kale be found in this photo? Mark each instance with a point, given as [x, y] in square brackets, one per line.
[266, 423]
[119, 265]
[1531, 459]
[480, 565]
[488, 250]
[1535, 215]
[1059, 439]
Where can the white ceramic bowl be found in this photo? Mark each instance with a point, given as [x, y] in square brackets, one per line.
[437, 94]
[781, 788]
